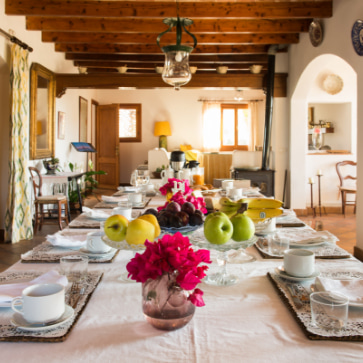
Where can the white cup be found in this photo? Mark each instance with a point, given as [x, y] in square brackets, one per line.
[95, 243]
[135, 198]
[41, 303]
[235, 193]
[227, 184]
[123, 209]
[299, 262]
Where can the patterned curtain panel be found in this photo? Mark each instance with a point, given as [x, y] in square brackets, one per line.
[18, 218]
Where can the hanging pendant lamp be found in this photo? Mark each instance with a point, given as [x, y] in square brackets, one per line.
[176, 70]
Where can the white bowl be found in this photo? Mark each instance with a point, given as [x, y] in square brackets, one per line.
[255, 68]
[122, 69]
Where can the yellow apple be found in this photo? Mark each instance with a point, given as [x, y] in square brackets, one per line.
[115, 227]
[138, 231]
[153, 220]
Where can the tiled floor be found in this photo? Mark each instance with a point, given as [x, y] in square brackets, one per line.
[343, 227]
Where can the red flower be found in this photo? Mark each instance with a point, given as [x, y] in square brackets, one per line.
[172, 254]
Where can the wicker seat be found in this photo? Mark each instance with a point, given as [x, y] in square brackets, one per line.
[41, 200]
[345, 169]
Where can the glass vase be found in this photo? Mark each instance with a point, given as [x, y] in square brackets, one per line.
[165, 304]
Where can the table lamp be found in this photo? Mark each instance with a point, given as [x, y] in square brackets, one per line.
[162, 129]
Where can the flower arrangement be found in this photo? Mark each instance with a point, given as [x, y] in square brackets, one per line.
[172, 255]
[181, 197]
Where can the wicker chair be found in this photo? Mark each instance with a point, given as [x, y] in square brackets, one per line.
[342, 169]
[41, 200]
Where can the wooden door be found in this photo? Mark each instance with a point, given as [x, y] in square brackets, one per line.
[107, 146]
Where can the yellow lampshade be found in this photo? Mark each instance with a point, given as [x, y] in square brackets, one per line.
[162, 128]
[39, 130]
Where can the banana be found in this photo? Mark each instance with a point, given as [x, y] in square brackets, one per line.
[263, 213]
[261, 203]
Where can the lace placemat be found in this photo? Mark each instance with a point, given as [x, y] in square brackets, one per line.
[114, 205]
[9, 332]
[325, 251]
[352, 332]
[82, 221]
[46, 252]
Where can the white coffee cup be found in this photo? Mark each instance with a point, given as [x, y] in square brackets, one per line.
[95, 243]
[41, 303]
[227, 184]
[299, 262]
[235, 193]
[135, 198]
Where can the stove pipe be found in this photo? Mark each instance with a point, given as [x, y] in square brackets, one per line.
[269, 108]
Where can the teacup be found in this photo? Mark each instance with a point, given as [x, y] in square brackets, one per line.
[123, 209]
[227, 184]
[135, 198]
[95, 243]
[41, 303]
[235, 193]
[299, 262]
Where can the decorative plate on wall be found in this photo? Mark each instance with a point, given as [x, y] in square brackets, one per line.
[316, 32]
[357, 37]
[333, 84]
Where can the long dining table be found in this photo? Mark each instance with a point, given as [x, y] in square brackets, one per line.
[245, 322]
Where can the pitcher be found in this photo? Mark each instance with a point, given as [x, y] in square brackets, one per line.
[166, 174]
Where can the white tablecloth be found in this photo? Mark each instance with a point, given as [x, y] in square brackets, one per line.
[246, 322]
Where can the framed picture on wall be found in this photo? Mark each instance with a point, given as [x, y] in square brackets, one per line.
[61, 125]
[83, 113]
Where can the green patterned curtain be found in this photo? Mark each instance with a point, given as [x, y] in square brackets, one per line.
[18, 217]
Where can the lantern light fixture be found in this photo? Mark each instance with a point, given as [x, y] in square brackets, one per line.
[176, 70]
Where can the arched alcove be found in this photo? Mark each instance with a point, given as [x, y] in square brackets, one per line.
[303, 165]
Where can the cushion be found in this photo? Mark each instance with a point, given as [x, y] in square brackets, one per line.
[185, 147]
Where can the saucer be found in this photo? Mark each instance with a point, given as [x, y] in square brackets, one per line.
[22, 324]
[281, 272]
[96, 254]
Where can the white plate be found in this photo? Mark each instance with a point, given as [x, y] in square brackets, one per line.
[312, 244]
[22, 324]
[281, 272]
[93, 254]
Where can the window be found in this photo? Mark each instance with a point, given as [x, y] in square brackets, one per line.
[129, 117]
[235, 127]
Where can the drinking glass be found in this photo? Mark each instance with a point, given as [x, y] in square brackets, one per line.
[134, 180]
[329, 310]
[74, 267]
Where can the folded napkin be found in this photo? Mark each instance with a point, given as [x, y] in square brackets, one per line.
[352, 289]
[9, 291]
[306, 235]
[112, 199]
[76, 241]
[94, 213]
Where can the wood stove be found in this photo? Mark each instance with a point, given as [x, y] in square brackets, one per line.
[263, 179]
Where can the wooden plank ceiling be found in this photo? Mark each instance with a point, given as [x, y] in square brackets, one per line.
[102, 36]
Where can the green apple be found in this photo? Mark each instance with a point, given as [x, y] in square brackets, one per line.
[115, 227]
[243, 227]
[138, 231]
[210, 215]
[218, 229]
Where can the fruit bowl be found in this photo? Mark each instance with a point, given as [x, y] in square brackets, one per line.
[122, 245]
[183, 230]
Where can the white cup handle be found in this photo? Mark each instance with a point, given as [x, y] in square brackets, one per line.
[15, 301]
[163, 173]
[90, 242]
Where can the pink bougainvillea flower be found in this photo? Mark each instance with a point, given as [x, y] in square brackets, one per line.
[174, 255]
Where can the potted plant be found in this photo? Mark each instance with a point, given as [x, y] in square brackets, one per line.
[51, 165]
[157, 172]
[91, 182]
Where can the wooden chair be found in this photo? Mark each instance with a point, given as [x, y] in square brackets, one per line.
[41, 200]
[342, 168]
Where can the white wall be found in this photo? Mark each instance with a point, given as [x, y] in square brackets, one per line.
[337, 41]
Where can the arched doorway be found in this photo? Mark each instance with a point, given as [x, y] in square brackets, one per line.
[309, 90]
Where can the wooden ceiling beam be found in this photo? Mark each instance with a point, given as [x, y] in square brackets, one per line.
[113, 80]
[137, 25]
[154, 49]
[254, 58]
[152, 65]
[241, 9]
[149, 38]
